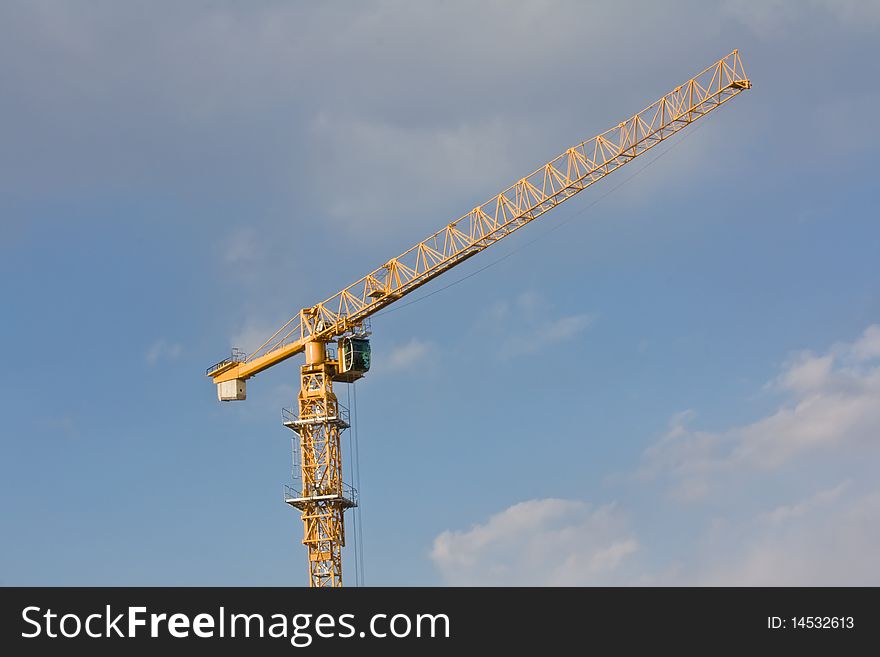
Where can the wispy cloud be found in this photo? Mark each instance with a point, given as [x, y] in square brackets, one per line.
[241, 247]
[530, 324]
[408, 355]
[551, 331]
[820, 500]
[251, 335]
[64, 425]
[833, 399]
[790, 534]
[550, 541]
[829, 538]
[162, 350]
[404, 357]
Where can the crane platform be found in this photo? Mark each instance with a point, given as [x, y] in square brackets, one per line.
[347, 500]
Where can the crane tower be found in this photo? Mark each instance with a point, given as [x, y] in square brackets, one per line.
[334, 334]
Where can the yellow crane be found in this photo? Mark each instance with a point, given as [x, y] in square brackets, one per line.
[320, 419]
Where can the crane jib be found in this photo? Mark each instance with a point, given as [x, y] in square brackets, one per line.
[542, 190]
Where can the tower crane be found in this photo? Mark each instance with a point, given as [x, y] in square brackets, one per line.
[320, 419]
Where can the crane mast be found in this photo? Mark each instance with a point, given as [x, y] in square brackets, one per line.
[320, 420]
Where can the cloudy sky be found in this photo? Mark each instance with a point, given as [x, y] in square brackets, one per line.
[674, 378]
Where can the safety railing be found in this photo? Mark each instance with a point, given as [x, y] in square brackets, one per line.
[294, 494]
[237, 356]
[291, 417]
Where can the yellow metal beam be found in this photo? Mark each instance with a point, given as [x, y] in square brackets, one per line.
[540, 191]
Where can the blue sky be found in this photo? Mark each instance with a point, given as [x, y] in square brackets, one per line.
[679, 385]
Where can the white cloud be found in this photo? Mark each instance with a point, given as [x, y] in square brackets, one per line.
[807, 373]
[829, 539]
[162, 350]
[65, 425]
[530, 324]
[822, 499]
[830, 536]
[544, 334]
[867, 347]
[833, 400]
[414, 353]
[758, 526]
[407, 355]
[551, 542]
[252, 335]
[565, 328]
[241, 247]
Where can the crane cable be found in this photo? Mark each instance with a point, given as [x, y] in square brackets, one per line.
[556, 226]
[354, 519]
[359, 526]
